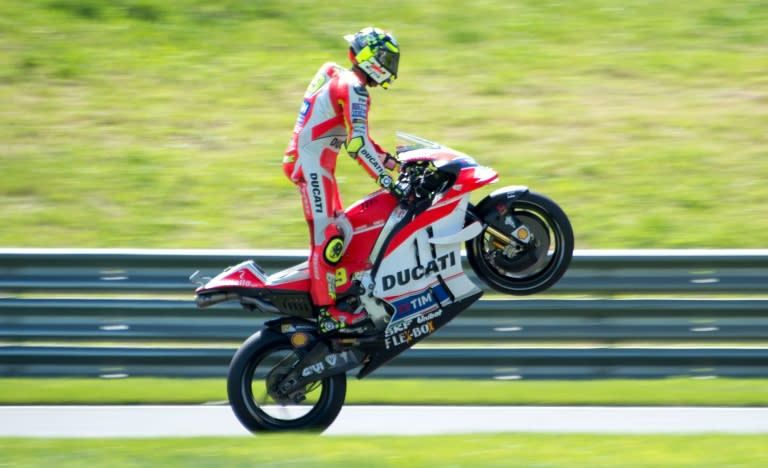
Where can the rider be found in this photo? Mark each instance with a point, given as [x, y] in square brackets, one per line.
[335, 113]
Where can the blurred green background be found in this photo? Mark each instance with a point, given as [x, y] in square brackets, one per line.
[149, 123]
[141, 123]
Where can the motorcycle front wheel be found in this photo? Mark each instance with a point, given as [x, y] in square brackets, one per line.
[257, 367]
[526, 245]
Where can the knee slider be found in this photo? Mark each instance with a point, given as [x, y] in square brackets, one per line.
[333, 250]
[334, 247]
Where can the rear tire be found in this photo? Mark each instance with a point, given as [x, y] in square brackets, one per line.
[510, 265]
[268, 355]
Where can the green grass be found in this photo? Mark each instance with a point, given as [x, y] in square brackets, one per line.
[664, 392]
[141, 123]
[476, 450]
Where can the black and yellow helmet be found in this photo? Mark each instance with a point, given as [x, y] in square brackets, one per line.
[376, 53]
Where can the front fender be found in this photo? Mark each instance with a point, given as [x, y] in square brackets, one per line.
[504, 194]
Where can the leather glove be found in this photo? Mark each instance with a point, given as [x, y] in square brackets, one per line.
[388, 183]
[391, 162]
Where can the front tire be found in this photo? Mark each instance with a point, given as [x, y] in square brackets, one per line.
[511, 263]
[260, 362]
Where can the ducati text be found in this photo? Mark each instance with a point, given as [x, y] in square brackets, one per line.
[317, 199]
[432, 267]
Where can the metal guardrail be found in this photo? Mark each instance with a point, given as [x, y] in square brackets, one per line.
[497, 363]
[505, 322]
[95, 274]
[167, 271]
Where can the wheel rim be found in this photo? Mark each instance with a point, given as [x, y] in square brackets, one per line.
[267, 371]
[518, 261]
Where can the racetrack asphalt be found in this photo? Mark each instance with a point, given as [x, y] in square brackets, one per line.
[218, 420]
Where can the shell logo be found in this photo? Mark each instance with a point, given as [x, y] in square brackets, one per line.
[299, 339]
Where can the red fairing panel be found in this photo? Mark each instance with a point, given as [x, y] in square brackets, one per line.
[367, 217]
[472, 178]
[421, 221]
[243, 275]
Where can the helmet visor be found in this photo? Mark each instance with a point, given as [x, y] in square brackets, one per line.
[388, 59]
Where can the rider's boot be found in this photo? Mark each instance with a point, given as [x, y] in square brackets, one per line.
[331, 319]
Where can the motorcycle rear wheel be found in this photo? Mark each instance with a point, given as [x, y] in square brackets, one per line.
[507, 263]
[262, 361]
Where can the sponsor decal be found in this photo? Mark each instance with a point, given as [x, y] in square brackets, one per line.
[404, 324]
[424, 318]
[305, 106]
[432, 267]
[419, 304]
[333, 250]
[399, 327]
[242, 278]
[317, 193]
[358, 110]
[329, 362]
[243, 281]
[337, 359]
[407, 336]
[341, 277]
[374, 70]
[423, 301]
[316, 368]
[522, 234]
[373, 160]
[299, 340]
[331, 279]
[336, 143]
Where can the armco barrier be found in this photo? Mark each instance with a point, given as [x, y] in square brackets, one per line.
[503, 322]
[497, 363]
[46, 335]
[167, 271]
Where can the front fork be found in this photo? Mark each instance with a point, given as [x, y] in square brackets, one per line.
[519, 236]
[510, 238]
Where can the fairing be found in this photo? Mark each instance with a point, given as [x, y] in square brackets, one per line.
[416, 276]
[472, 176]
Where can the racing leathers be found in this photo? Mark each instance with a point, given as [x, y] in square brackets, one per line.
[334, 113]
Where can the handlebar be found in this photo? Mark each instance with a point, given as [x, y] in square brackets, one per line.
[419, 182]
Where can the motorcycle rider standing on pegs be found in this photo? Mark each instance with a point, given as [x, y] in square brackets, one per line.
[335, 113]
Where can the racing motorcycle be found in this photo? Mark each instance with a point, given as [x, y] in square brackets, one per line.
[403, 266]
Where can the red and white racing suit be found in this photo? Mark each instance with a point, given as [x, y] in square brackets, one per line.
[334, 113]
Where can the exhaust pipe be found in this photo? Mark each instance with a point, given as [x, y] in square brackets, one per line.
[259, 304]
[207, 300]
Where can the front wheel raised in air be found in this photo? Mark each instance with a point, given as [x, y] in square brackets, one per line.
[256, 368]
[527, 243]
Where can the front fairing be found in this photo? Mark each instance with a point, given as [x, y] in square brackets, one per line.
[414, 149]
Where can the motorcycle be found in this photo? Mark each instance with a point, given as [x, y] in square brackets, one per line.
[403, 266]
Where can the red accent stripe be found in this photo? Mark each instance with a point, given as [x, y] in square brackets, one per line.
[324, 127]
[423, 220]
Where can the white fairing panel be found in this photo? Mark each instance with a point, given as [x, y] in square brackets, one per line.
[419, 276]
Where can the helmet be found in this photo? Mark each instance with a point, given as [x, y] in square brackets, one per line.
[376, 53]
